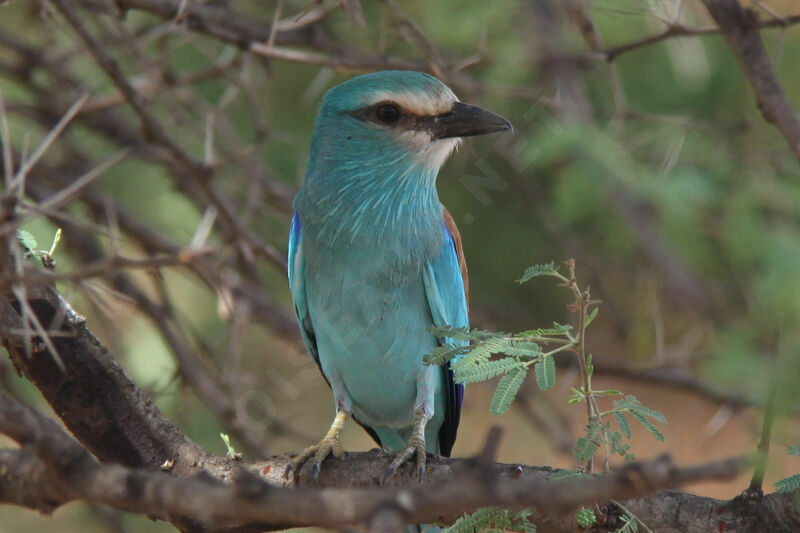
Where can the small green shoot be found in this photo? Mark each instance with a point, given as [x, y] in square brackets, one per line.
[231, 453]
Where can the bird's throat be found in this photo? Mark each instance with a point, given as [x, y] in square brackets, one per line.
[393, 209]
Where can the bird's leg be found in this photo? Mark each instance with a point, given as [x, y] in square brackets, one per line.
[416, 445]
[329, 445]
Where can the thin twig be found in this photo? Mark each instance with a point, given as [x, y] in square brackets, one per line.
[47, 142]
[676, 30]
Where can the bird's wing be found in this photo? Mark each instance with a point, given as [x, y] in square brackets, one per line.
[450, 224]
[297, 285]
[446, 287]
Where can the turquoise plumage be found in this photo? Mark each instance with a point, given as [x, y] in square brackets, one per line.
[374, 259]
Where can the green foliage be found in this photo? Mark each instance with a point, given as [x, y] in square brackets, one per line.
[521, 522]
[498, 354]
[556, 330]
[493, 519]
[522, 349]
[648, 425]
[231, 453]
[591, 316]
[492, 354]
[590, 442]
[27, 240]
[489, 355]
[585, 449]
[447, 351]
[617, 444]
[790, 483]
[632, 404]
[31, 247]
[485, 370]
[630, 524]
[461, 334]
[482, 351]
[507, 389]
[585, 517]
[643, 414]
[623, 423]
[535, 271]
[545, 372]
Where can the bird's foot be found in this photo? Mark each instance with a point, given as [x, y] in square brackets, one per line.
[415, 446]
[329, 445]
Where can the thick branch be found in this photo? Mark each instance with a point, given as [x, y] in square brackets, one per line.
[740, 29]
[133, 432]
[93, 396]
[66, 472]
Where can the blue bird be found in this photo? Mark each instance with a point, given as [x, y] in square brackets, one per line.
[375, 260]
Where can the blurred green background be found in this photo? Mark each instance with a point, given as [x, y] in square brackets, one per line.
[679, 202]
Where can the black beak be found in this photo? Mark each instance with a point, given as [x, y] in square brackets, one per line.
[466, 120]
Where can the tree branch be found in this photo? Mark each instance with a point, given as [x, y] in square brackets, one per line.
[677, 30]
[119, 424]
[66, 472]
[200, 173]
[740, 28]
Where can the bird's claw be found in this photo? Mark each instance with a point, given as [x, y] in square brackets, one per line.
[416, 446]
[319, 452]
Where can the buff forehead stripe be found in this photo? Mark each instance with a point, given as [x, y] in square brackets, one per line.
[422, 104]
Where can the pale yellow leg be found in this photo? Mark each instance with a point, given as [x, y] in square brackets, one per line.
[329, 445]
[416, 445]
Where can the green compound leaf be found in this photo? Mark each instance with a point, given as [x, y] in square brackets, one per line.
[445, 352]
[623, 423]
[788, 484]
[584, 449]
[521, 348]
[483, 350]
[545, 373]
[462, 334]
[557, 329]
[647, 424]
[507, 390]
[521, 522]
[617, 444]
[550, 269]
[794, 450]
[633, 405]
[485, 370]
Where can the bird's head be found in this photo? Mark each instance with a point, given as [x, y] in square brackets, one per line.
[393, 117]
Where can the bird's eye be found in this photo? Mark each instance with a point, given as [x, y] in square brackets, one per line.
[388, 113]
